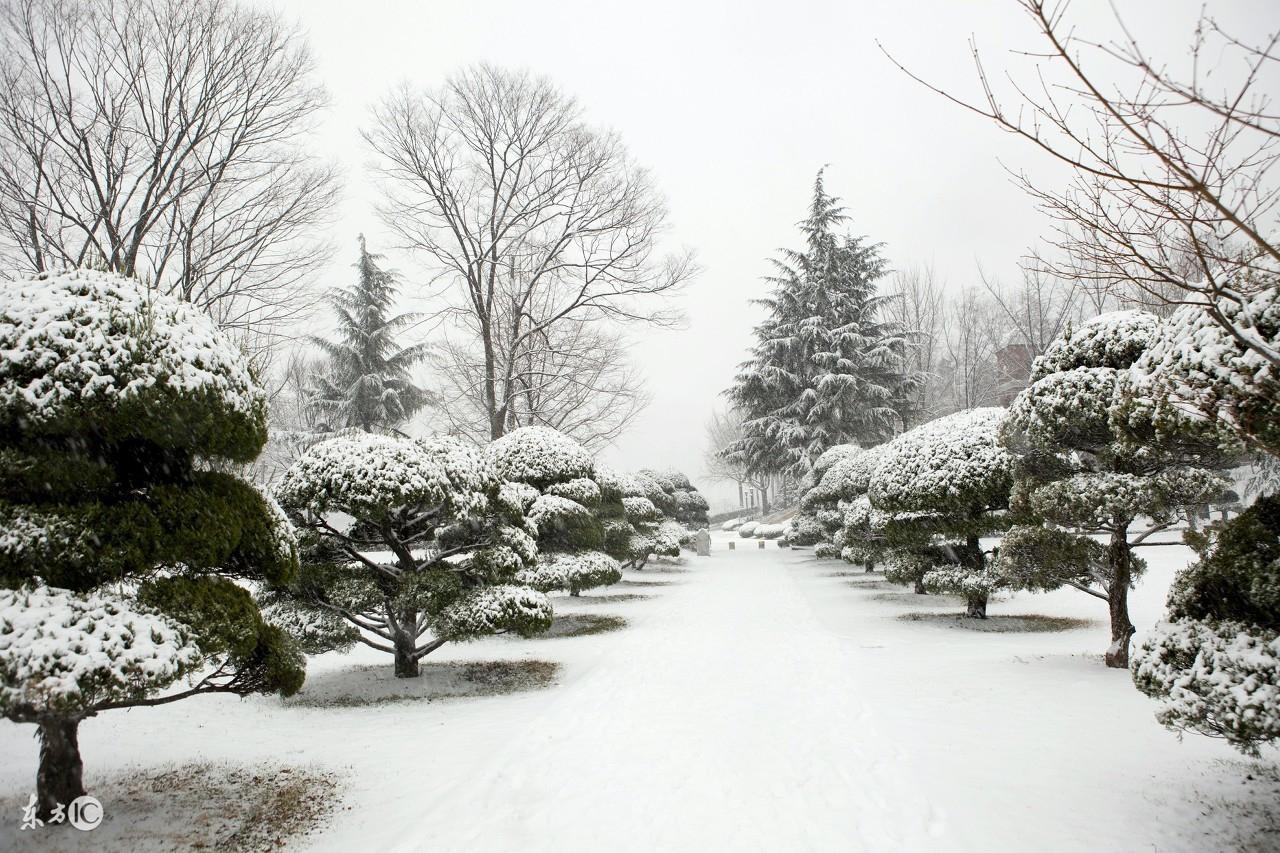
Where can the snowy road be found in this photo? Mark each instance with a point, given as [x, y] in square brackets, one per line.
[729, 720]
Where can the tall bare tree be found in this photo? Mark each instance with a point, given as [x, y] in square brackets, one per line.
[532, 219]
[1168, 167]
[160, 139]
[974, 332]
[918, 307]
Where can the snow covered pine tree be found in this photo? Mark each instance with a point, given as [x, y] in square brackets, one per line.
[943, 485]
[432, 552]
[1079, 467]
[120, 549]
[827, 367]
[551, 475]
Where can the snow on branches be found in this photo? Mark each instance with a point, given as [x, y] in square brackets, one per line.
[86, 349]
[540, 456]
[65, 652]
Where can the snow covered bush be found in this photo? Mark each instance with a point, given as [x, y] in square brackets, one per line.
[820, 517]
[430, 529]
[748, 529]
[770, 531]
[942, 486]
[1215, 665]
[567, 512]
[120, 548]
[1091, 466]
[1195, 370]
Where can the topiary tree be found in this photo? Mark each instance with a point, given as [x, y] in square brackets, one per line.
[411, 544]
[1088, 461]
[860, 538]
[1215, 664]
[820, 517]
[122, 552]
[554, 475]
[943, 486]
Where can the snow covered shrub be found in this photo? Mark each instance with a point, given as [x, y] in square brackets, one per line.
[770, 531]
[1196, 370]
[118, 545]
[430, 531]
[820, 517]
[1215, 665]
[1089, 464]
[568, 512]
[747, 530]
[942, 486]
[731, 525]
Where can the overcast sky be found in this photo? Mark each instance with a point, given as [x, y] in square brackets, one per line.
[734, 106]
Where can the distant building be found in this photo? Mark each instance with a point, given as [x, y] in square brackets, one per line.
[1013, 370]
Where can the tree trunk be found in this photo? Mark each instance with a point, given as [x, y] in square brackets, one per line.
[920, 590]
[406, 645]
[976, 607]
[1119, 557]
[870, 566]
[59, 779]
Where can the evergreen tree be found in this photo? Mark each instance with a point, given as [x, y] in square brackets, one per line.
[368, 385]
[1091, 462]
[122, 549]
[828, 367]
[431, 551]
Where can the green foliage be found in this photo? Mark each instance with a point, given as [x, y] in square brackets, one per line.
[1237, 575]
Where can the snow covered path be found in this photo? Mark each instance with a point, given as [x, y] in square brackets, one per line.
[759, 700]
[731, 720]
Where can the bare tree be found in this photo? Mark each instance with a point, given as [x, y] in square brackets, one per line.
[974, 332]
[1040, 306]
[1167, 168]
[723, 431]
[574, 376]
[530, 218]
[918, 307]
[160, 139]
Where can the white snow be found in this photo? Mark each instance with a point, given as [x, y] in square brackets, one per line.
[759, 700]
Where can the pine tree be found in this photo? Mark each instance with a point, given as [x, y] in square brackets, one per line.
[124, 556]
[1089, 463]
[827, 367]
[368, 385]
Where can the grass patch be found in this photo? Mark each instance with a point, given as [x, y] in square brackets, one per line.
[873, 583]
[360, 686]
[646, 583]
[581, 625]
[198, 806]
[1002, 624]
[610, 598]
[918, 600]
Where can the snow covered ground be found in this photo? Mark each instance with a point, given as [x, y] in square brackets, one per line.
[757, 700]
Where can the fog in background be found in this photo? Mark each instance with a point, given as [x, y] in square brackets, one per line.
[734, 106]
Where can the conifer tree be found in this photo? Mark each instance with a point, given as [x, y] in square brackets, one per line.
[123, 545]
[368, 383]
[1090, 463]
[828, 365]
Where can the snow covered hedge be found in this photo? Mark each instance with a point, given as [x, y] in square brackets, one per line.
[540, 456]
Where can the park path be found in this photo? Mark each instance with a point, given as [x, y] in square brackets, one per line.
[726, 717]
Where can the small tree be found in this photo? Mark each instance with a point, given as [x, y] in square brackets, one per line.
[860, 538]
[944, 485]
[122, 550]
[453, 536]
[367, 384]
[1079, 468]
[553, 475]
